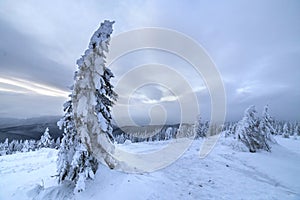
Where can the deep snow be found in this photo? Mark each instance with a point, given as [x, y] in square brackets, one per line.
[224, 174]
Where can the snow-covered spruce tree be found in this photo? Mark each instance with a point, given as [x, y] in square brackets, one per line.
[120, 139]
[286, 131]
[25, 146]
[19, 146]
[248, 131]
[87, 120]
[200, 128]
[169, 133]
[45, 140]
[278, 127]
[230, 130]
[93, 96]
[13, 146]
[4, 149]
[296, 130]
[68, 143]
[266, 125]
[2, 152]
[32, 145]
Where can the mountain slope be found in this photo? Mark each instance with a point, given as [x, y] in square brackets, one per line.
[32, 128]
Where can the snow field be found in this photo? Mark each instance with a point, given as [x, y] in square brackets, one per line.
[224, 174]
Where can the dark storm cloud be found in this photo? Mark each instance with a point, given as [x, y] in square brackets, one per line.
[24, 57]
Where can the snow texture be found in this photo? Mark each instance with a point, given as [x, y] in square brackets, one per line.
[224, 174]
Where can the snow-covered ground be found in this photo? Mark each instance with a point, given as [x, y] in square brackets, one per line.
[224, 174]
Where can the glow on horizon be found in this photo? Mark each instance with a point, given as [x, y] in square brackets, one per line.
[31, 87]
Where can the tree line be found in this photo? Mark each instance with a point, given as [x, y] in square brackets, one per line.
[253, 131]
[46, 141]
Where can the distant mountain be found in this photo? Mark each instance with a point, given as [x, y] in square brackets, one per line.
[31, 128]
[6, 122]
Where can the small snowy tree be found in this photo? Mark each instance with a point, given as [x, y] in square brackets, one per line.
[279, 127]
[266, 125]
[45, 140]
[32, 145]
[12, 147]
[231, 129]
[25, 146]
[67, 146]
[213, 129]
[297, 129]
[248, 131]
[2, 152]
[169, 133]
[200, 128]
[286, 131]
[19, 146]
[120, 139]
[4, 147]
[185, 131]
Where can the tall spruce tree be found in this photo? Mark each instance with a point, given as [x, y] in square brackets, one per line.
[87, 119]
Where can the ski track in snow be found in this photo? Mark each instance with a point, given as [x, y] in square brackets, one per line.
[223, 174]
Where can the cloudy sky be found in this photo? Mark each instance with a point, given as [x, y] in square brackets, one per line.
[254, 44]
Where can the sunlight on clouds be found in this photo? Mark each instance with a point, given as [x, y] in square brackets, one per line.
[152, 95]
[31, 87]
[243, 90]
[147, 100]
[257, 89]
[11, 91]
[168, 98]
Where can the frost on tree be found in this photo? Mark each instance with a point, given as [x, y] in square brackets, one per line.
[4, 147]
[25, 146]
[45, 140]
[87, 120]
[73, 157]
[296, 131]
[267, 125]
[248, 131]
[93, 97]
[286, 131]
[200, 128]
